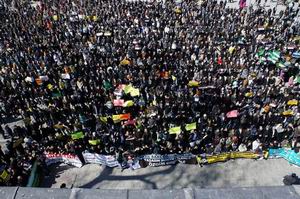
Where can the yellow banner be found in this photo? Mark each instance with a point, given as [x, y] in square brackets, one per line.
[227, 156]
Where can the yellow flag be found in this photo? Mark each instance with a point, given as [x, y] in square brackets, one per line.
[128, 88]
[103, 119]
[116, 117]
[231, 49]
[125, 62]
[296, 38]
[55, 17]
[154, 103]
[249, 94]
[288, 113]
[292, 102]
[135, 92]
[191, 126]
[49, 86]
[58, 126]
[128, 103]
[175, 130]
[94, 142]
[178, 11]
[193, 83]
[95, 18]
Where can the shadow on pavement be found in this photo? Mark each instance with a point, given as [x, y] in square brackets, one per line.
[55, 171]
[106, 176]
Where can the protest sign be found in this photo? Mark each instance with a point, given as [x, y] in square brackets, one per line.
[134, 92]
[130, 122]
[175, 130]
[50, 86]
[288, 113]
[118, 102]
[55, 17]
[95, 18]
[125, 62]
[191, 126]
[232, 114]
[128, 88]
[103, 119]
[94, 142]
[4, 174]
[65, 76]
[193, 83]
[273, 56]
[292, 102]
[56, 94]
[249, 94]
[128, 103]
[77, 135]
[296, 55]
[125, 116]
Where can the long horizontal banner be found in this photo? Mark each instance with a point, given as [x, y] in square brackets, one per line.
[287, 154]
[155, 160]
[226, 156]
[94, 158]
[110, 161]
[73, 160]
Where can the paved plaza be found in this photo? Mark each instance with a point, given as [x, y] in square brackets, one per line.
[235, 173]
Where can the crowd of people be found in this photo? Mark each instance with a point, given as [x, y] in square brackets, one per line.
[70, 67]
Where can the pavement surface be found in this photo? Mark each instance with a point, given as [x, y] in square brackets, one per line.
[234, 173]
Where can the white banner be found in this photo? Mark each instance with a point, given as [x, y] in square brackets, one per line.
[110, 161]
[107, 160]
[52, 158]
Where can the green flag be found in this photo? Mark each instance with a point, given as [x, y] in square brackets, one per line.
[191, 126]
[56, 94]
[261, 52]
[274, 56]
[175, 130]
[77, 135]
[297, 80]
[280, 65]
[262, 59]
[107, 85]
